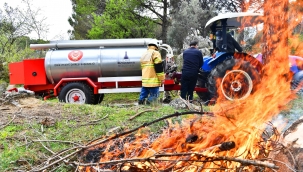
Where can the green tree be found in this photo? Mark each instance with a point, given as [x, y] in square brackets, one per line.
[158, 10]
[89, 14]
[15, 24]
[189, 19]
[82, 17]
[120, 20]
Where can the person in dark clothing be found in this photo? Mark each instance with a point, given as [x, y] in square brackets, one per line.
[192, 61]
[232, 44]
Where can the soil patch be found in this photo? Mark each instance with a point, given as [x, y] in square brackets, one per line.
[30, 108]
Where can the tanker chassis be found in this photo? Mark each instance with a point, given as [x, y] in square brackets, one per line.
[82, 71]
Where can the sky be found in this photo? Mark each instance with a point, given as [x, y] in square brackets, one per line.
[56, 13]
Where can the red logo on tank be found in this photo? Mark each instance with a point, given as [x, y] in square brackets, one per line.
[75, 55]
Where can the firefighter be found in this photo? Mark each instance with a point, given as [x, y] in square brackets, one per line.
[152, 73]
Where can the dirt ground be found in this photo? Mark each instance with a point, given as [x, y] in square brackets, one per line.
[21, 109]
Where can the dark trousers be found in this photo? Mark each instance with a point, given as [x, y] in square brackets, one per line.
[151, 93]
[188, 84]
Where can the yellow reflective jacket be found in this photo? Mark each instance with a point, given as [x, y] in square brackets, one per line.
[149, 76]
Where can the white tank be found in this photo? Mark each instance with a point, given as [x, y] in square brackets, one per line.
[93, 58]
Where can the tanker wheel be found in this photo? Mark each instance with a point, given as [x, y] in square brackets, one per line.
[78, 93]
[234, 78]
[98, 98]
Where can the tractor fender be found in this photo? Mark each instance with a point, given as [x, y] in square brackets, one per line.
[205, 66]
[251, 59]
[220, 57]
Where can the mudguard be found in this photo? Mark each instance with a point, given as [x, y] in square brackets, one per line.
[220, 57]
[205, 66]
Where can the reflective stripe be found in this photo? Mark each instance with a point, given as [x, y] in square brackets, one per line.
[160, 74]
[157, 60]
[147, 65]
[150, 80]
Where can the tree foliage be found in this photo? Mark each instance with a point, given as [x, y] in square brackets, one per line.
[158, 10]
[145, 16]
[15, 24]
[82, 17]
[120, 19]
[189, 19]
[35, 24]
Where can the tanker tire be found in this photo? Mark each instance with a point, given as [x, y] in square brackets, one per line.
[78, 93]
[236, 83]
[98, 98]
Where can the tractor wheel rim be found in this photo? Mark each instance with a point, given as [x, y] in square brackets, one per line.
[75, 96]
[236, 84]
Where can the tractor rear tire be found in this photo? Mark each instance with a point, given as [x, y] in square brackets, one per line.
[202, 82]
[297, 83]
[77, 93]
[234, 78]
[98, 98]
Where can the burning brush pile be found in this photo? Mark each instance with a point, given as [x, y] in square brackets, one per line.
[202, 142]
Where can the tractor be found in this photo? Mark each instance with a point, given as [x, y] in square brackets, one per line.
[235, 75]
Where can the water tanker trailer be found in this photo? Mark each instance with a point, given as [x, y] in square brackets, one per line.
[82, 71]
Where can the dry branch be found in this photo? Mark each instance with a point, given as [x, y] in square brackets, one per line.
[147, 124]
[60, 141]
[94, 121]
[10, 98]
[248, 162]
[207, 159]
[140, 113]
[65, 161]
[59, 160]
[8, 122]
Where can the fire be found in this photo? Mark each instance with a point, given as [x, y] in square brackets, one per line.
[196, 143]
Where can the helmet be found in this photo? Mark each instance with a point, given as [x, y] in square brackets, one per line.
[154, 42]
[219, 35]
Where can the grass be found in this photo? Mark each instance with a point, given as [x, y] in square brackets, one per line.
[20, 148]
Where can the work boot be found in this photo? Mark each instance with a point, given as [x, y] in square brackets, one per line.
[168, 99]
[141, 102]
[148, 102]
